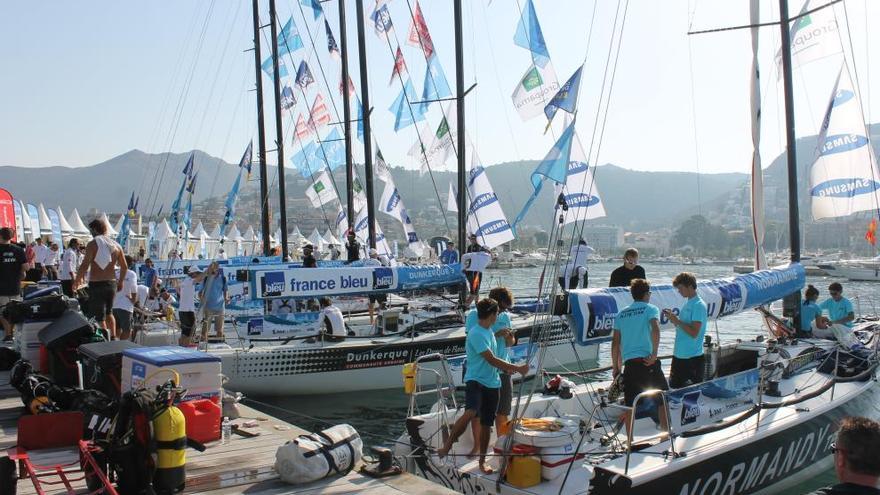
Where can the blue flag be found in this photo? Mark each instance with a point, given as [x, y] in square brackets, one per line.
[303, 160]
[360, 118]
[315, 5]
[332, 150]
[191, 188]
[381, 20]
[405, 114]
[304, 75]
[529, 36]
[554, 166]
[267, 67]
[289, 39]
[566, 97]
[247, 157]
[175, 206]
[332, 47]
[230, 205]
[288, 100]
[436, 86]
[130, 211]
[188, 168]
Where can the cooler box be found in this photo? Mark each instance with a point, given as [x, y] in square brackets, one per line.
[203, 418]
[102, 365]
[61, 338]
[156, 334]
[26, 341]
[199, 371]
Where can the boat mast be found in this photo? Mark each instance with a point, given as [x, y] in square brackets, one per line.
[261, 133]
[365, 115]
[792, 301]
[459, 107]
[279, 132]
[346, 117]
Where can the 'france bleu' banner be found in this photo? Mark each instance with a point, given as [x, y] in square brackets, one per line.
[269, 284]
[594, 310]
[709, 402]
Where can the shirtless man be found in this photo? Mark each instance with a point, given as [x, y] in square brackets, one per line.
[102, 257]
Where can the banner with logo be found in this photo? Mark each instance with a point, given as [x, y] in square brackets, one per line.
[34, 215]
[594, 310]
[485, 218]
[706, 403]
[55, 222]
[19, 221]
[580, 190]
[268, 284]
[7, 210]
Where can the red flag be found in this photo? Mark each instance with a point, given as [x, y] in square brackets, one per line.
[871, 234]
[350, 87]
[418, 33]
[319, 114]
[302, 128]
[399, 66]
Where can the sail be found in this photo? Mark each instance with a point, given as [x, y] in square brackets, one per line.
[580, 190]
[594, 310]
[486, 219]
[757, 196]
[844, 178]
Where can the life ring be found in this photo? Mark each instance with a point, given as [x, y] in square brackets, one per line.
[568, 432]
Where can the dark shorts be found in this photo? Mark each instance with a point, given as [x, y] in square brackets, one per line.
[187, 322]
[505, 395]
[636, 379]
[101, 296]
[123, 319]
[686, 372]
[379, 298]
[483, 400]
[67, 288]
[474, 280]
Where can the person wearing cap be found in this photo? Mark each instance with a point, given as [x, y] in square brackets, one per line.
[474, 278]
[308, 258]
[376, 260]
[352, 247]
[449, 255]
[187, 307]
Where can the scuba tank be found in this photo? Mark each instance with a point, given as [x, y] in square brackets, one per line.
[169, 432]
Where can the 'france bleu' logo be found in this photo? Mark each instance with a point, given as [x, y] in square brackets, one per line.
[603, 309]
[383, 278]
[690, 407]
[273, 284]
[844, 188]
[255, 326]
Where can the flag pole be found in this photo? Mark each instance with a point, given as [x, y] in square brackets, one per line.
[261, 133]
[462, 152]
[279, 133]
[365, 115]
[346, 117]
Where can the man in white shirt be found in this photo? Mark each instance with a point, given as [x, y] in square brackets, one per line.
[333, 324]
[51, 263]
[40, 252]
[574, 273]
[69, 263]
[376, 260]
[187, 307]
[123, 303]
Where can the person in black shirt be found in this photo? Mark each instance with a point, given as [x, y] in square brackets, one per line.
[13, 266]
[352, 247]
[474, 279]
[622, 276]
[308, 259]
[856, 452]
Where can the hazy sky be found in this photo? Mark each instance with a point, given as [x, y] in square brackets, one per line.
[84, 81]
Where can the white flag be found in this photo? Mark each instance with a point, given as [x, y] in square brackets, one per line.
[844, 177]
[581, 192]
[813, 36]
[321, 191]
[360, 196]
[391, 204]
[534, 90]
[341, 221]
[362, 232]
[452, 199]
[485, 217]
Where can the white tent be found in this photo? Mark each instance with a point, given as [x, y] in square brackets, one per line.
[164, 232]
[76, 222]
[316, 240]
[215, 233]
[110, 230]
[296, 232]
[200, 230]
[118, 226]
[330, 238]
[66, 229]
[45, 224]
[250, 235]
[234, 234]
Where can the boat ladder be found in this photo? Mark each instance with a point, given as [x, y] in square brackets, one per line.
[661, 435]
[442, 386]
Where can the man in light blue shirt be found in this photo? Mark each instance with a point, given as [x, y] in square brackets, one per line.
[213, 299]
[840, 309]
[688, 364]
[449, 255]
[634, 342]
[481, 380]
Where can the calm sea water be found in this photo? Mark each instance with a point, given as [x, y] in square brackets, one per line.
[378, 415]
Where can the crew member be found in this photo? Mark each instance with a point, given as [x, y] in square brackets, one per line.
[382, 299]
[186, 309]
[574, 272]
[308, 258]
[688, 364]
[13, 266]
[840, 309]
[213, 297]
[103, 256]
[352, 247]
[449, 255]
[474, 277]
[333, 328]
[811, 313]
[623, 275]
[482, 383]
[634, 343]
[69, 263]
[123, 302]
[856, 452]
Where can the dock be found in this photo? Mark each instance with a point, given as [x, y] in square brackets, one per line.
[243, 465]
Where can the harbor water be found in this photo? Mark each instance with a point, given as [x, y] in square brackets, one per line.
[378, 415]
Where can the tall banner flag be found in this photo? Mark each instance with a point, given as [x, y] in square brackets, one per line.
[7, 210]
[246, 159]
[554, 166]
[341, 221]
[529, 36]
[844, 178]
[19, 221]
[175, 206]
[406, 114]
[418, 33]
[232, 197]
[757, 192]
[580, 191]
[383, 173]
[814, 36]
[485, 218]
[535, 89]
[34, 215]
[362, 232]
[321, 191]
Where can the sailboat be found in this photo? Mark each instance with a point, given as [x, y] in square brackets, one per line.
[761, 420]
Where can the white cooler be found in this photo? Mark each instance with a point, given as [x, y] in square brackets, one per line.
[199, 371]
[25, 340]
[157, 333]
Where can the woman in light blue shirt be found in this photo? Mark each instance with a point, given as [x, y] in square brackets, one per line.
[810, 313]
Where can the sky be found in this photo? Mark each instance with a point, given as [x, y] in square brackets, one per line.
[86, 81]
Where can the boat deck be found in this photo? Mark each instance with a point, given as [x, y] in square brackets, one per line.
[244, 465]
